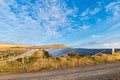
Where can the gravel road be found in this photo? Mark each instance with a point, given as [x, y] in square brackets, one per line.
[109, 71]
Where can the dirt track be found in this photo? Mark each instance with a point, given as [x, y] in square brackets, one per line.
[95, 72]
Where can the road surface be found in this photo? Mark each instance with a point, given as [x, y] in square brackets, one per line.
[28, 53]
[109, 71]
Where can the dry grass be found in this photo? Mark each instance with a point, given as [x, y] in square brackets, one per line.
[41, 60]
[104, 58]
[21, 47]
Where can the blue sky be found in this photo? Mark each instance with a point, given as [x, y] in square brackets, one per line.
[77, 23]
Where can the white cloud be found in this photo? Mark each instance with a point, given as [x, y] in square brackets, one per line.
[114, 8]
[85, 13]
[95, 36]
[90, 12]
[115, 26]
[40, 20]
[85, 27]
[96, 10]
[104, 42]
[110, 45]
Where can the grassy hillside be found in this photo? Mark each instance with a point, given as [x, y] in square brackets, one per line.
[21, 47]
[12, 45]
[4, 47]
[53, 46]
[42, 60]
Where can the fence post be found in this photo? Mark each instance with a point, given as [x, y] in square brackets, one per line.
[2, 58]
[23, 60]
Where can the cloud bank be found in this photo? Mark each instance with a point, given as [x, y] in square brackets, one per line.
[41, 20]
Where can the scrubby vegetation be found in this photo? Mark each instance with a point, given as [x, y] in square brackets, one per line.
[42, 60]
[10, 53]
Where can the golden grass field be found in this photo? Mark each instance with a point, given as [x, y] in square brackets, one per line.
[12, 47]
[42, 60]
[21, 47]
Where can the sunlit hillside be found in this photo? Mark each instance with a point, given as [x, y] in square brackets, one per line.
[12, 45]
[43, 46]
[21, 47]
[53, 46]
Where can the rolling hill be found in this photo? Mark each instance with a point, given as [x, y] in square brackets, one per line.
[13, 45]
[28, 46]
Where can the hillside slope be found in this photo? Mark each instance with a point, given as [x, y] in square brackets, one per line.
[53, 46]
[12, 45]
[28, 46]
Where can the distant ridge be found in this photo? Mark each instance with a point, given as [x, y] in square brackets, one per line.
[53, 46]
[29, 46]
[13, 45]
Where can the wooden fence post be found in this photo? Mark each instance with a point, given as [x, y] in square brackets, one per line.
[23, 60]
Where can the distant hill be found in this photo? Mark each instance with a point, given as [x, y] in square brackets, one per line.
[12, 45]
[53, 46]
[28, 46]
